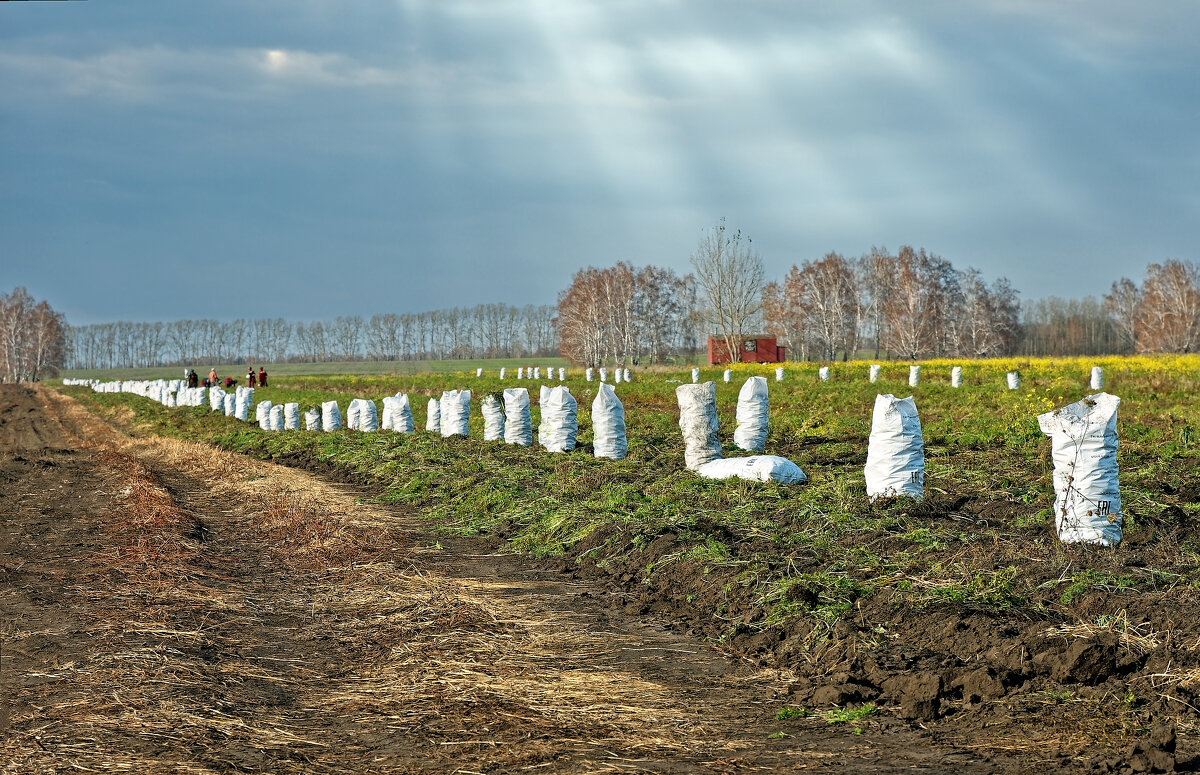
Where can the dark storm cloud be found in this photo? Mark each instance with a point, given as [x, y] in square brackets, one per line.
[310, 160]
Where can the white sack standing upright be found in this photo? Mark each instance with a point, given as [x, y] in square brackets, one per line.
[728, 375]
[537, 372]
[823, 373]
[779, 374]
[493, 418]
[1087, 496]
[695, 376]
[478, 372]
[560, 420]
[262, 413]
[230, 404]
[216, 399]
[331, 416]
[520, 372]
[895, 451]
[752, 415]
[562, 374]
[502, 373]
[617, 377]
[1097, 382]
[603, 373]
[914, 376]
[699, 424]
[433, 416]
[873, 373]
[385, 416]
[608, 424]
[353, 414]
[518, 426]
[1014, 380]
[276, 415]
[291, 417]
[402, 419]
[543, 392]
[627, 375]
[368, 416]
[956, 377]
[588, 374]
[312, 420]
[456, 413]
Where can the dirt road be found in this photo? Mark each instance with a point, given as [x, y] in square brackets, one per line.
[171, 608]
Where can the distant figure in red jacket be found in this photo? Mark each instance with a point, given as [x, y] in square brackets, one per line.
[250, 377]
[262, 377]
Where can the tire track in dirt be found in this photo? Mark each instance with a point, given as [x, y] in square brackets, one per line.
[169, 607]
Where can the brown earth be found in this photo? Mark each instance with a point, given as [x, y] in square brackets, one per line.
[168, 607]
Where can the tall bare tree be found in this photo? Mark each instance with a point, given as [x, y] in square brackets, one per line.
[730, 274]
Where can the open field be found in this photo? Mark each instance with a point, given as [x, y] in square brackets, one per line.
[960, 619]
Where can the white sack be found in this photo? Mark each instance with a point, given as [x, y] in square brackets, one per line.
[262, 414]
[312, 420]
[752, 415]
[873, 373]
[603, 373]
[562, 374]
[503, 371]
[728, 375]
[368, 416]
[543, 392]
[276, 417]
[291, 417]
[518, 426]
[353, 412]
[779, 374]
[1014, 380]
[230, 404]
[627, 375]
[216, 399]
[588, 374]
[520, 372]
[760, 468]
[402, 419]
[559, 419]
[895, 451]
[695, 376]
[823, 373]
[493, 418]
[1087, 495]
[433, 416]
[699, 424]
[537, 372]
[478, 372]
[914, 376]
[331, 416]
[617, 377]
[956, 376]
[456, 413]
[1097, 381]
[608, 424]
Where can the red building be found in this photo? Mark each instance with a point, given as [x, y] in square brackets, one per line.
[757, 349]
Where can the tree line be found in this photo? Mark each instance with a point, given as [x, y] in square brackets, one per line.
[33, 338]
[910, 304]
[482, 331]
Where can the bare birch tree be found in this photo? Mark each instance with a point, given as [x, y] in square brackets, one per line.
[730, 274]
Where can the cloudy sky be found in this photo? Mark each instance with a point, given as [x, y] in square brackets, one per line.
[310, 159]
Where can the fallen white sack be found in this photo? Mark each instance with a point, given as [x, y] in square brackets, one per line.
[699, 424]
[331, 416]
[608, 424]
[559, 419]
[456, 413]
[433, 416]
[493, 418]
[752, 415]
[760, 468]
[1087, 494]
[518, 426]
[312, 420]
[895, 449]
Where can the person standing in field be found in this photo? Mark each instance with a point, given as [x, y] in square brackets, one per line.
[212, 376]
[250, 377]
[262, 377]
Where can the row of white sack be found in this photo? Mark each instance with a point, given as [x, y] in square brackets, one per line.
[505, 419]
[1012, 378]
[619, 375]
